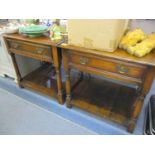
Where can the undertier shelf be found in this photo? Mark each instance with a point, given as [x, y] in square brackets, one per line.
[42, 81]
[105, 99]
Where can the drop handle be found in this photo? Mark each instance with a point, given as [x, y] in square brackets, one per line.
[40, 50]
[84, 61]
[15, 45]
[122, 69]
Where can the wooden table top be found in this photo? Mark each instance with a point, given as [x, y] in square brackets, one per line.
[118, 54]
[41, 40]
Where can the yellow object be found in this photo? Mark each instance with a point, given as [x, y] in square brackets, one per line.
[131, 39]
[151, 36]
[142, 48]
[55, 32]
[137, 43]
[100, 34]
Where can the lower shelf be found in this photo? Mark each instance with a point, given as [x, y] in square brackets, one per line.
[41, 80]
[105, 99]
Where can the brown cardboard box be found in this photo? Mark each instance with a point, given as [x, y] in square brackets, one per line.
[100, 34]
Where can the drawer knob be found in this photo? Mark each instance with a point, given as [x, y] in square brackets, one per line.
[40, 50]
[84, 61]
[122, 69]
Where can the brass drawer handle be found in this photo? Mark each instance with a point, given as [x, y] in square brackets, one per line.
[15, 45]
[40, 50]
[84, 61]
[122, 69]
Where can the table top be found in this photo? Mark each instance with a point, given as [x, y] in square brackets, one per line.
[41, 40]
[118, 54]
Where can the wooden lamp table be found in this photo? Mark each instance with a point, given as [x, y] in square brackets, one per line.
[119, 93]
[42, 49]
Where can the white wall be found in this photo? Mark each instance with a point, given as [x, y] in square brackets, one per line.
[148, 26]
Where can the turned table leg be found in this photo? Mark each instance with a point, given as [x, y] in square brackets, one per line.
[136, 110]
[68, 81]
[68, 89]
[57, 64]
[59, 85]
[137, 106]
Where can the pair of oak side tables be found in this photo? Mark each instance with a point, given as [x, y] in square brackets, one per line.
[110, 85]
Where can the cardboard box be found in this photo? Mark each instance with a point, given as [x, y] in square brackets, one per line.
[100, 34]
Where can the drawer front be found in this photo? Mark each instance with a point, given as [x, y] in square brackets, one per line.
[37, 51]
[109, 65]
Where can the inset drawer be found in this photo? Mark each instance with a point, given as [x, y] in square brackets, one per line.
[108, 65]
[38, 51]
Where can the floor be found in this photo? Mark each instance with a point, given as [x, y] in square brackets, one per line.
[26, 112]
[18, 116]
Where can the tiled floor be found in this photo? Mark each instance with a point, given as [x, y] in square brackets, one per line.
[89, 123]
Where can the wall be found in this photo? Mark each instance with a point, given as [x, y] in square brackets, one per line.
[148, 26]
